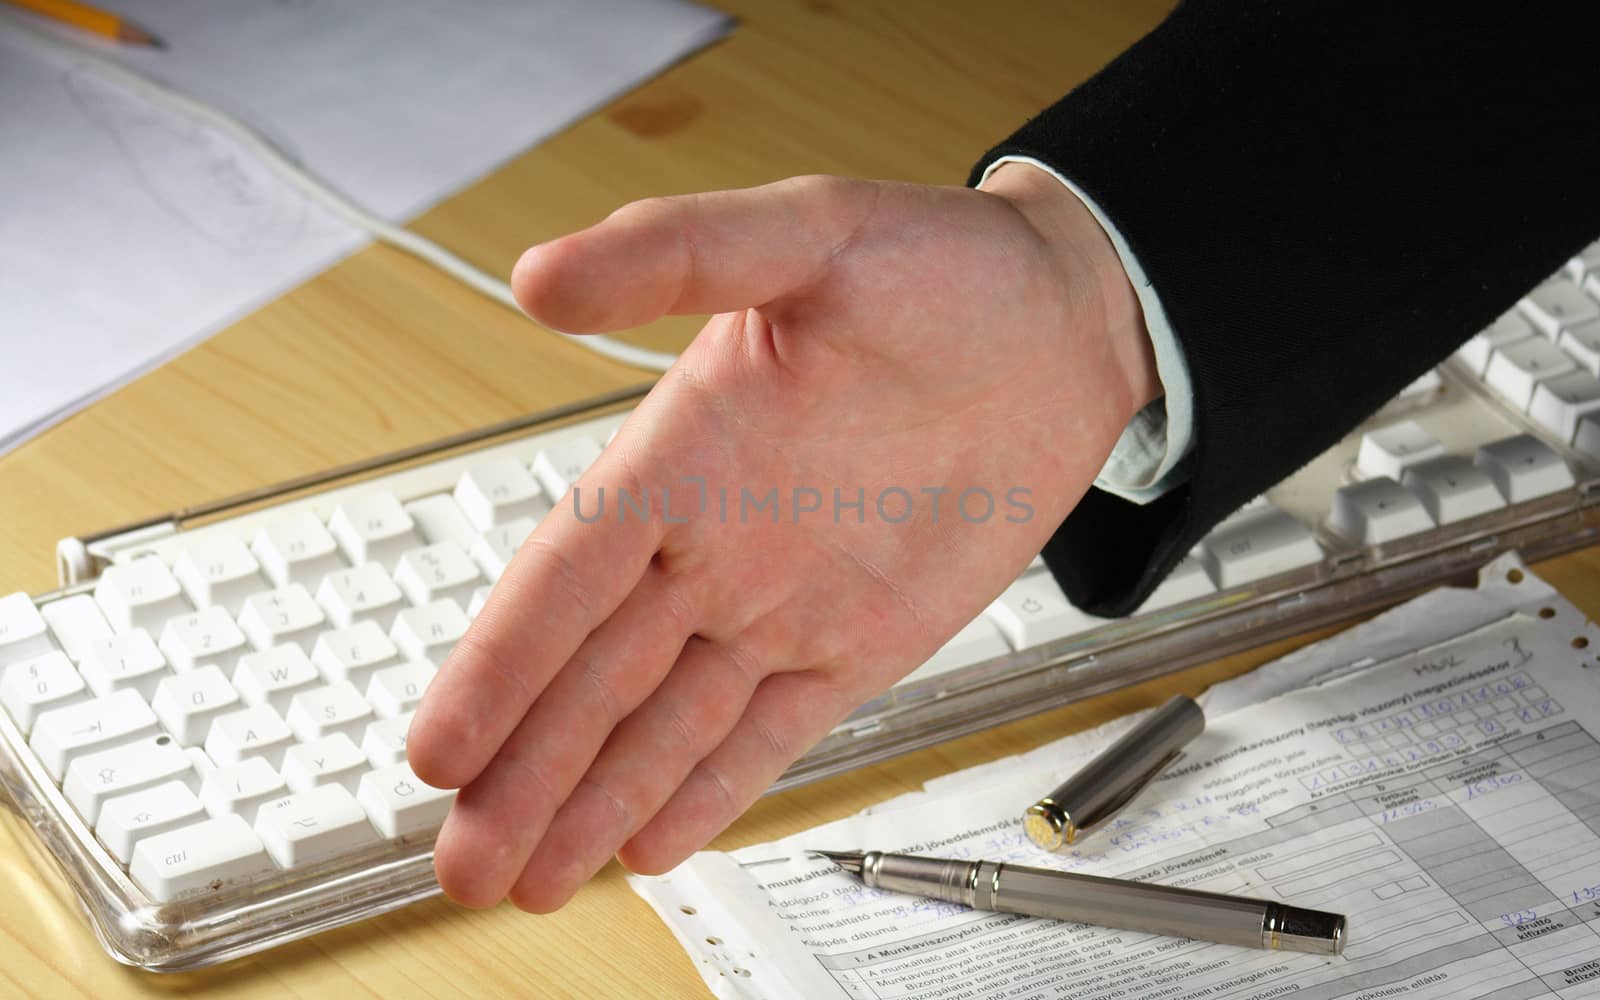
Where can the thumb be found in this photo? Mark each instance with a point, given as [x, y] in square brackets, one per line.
[698, 253]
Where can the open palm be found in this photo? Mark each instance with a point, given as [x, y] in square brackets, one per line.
[902, 393]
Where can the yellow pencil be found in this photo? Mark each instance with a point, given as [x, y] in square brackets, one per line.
[90, 19]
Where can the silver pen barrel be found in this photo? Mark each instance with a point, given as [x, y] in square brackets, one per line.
[1111, 780]
[1109, 902]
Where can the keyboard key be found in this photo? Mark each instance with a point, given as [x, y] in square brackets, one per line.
[129, 660]
[1585, 263]
[979, 640]
[480, 597]
[1390, 450]
[62, 735]
[257, 731]
[188, 703]
[199, 858]
[494, 549]
[128, 819]
[206, 636]
[331, 760]
[241, 788]
[23, 633]
[1420, 389]
[1503, 332]
[374, 528]
[1559, 402]
[1260, 544]
[283, 616]
[1033, 611]
[30, 687]
[385, 741]
[397, 690]
[218, 570]
[440, 519]
[140, 593]
[1556, 305]
[1523, 467]
[364, 592]
[1588, 436]
[203, 765]
[313, 825]
[1582, 344]
[332, 708]
[1187, 581]
[559, 464]
[429, 632]
[1453, 489]
[274, 676]
[501, 490]
[437, 572]
[296, 548]
[95, 778]
[1515, 370]
[352, 654]
[399, 804]
[75, 622]
[1375, 511]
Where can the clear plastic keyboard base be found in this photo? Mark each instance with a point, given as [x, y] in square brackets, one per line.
[205, 726]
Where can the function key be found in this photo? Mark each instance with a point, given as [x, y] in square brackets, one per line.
[374, 528]
[218, 570]
[497, 491]
[140, 593]
[296, 548]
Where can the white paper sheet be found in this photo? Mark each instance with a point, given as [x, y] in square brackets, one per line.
[128, 232]
[1447, 801]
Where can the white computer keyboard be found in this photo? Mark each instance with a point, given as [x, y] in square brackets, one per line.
[207, 727]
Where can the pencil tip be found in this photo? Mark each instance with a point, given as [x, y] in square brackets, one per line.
[135, 35]
[850, 861]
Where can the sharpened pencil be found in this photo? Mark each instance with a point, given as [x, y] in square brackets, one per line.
[91, 19]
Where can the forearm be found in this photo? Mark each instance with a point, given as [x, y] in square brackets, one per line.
[1328, 198]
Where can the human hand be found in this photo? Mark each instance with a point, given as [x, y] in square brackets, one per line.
[634, 683]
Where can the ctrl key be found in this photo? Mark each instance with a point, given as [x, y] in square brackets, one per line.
[198, 858]
[399, 804]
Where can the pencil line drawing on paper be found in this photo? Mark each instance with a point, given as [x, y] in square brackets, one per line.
[196, 176]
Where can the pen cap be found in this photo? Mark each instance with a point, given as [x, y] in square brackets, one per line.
[1113, 778]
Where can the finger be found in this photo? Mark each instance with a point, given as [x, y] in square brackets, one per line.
[787, 715]
[700, 253]
[502, 814]
[567, 578]
[646, 759]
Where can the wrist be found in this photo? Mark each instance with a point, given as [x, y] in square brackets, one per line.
[1088, 262]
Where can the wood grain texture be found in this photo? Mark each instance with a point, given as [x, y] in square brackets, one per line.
[380, 352]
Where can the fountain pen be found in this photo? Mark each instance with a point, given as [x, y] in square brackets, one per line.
[1106, 902]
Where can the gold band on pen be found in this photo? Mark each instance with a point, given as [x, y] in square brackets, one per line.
[1048, 825]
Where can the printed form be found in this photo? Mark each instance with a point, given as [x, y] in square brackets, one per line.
[1448, 802]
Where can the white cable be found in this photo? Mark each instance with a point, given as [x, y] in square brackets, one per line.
[323, 194]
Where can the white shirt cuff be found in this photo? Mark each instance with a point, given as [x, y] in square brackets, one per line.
[1148, 458]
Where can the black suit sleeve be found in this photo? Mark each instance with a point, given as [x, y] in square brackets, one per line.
[1328, 198]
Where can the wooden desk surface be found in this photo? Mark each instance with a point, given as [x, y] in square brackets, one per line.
[380, 352]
